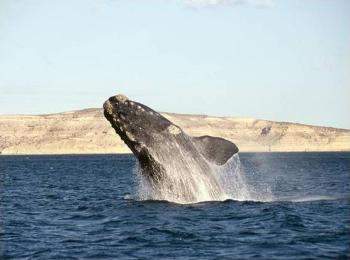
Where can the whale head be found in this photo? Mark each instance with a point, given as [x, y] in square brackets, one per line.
[140, 127]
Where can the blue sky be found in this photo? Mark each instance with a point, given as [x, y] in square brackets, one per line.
[277, 60]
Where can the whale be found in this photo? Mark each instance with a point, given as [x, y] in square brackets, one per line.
[171, 161]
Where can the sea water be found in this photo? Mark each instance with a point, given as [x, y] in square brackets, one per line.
[280, 205]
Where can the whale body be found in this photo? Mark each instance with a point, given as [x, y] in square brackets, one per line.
[172, 161]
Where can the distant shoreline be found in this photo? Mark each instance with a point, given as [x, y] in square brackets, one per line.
[131, 154]
[88, 132]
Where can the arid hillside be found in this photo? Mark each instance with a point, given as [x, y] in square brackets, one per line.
[87, 131]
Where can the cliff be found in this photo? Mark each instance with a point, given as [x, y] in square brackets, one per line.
[87, 131]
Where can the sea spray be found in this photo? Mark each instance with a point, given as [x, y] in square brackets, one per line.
[238, 184]
[187, 179]
[233, 180]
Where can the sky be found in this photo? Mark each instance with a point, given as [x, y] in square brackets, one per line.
[278, 60]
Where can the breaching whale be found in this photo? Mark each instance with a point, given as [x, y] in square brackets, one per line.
[173, 163]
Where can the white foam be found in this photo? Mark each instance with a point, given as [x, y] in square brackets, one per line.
[306, 198]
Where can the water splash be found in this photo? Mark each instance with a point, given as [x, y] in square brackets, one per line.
[238, 186]
[190, 178]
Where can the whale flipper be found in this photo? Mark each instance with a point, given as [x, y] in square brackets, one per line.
[215, 149]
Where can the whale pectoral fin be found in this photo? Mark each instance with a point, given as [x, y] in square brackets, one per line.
[215, 149]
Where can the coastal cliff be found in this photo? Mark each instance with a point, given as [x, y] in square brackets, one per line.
[87, 131]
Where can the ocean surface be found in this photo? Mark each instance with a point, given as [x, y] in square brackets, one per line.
[74, 207]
